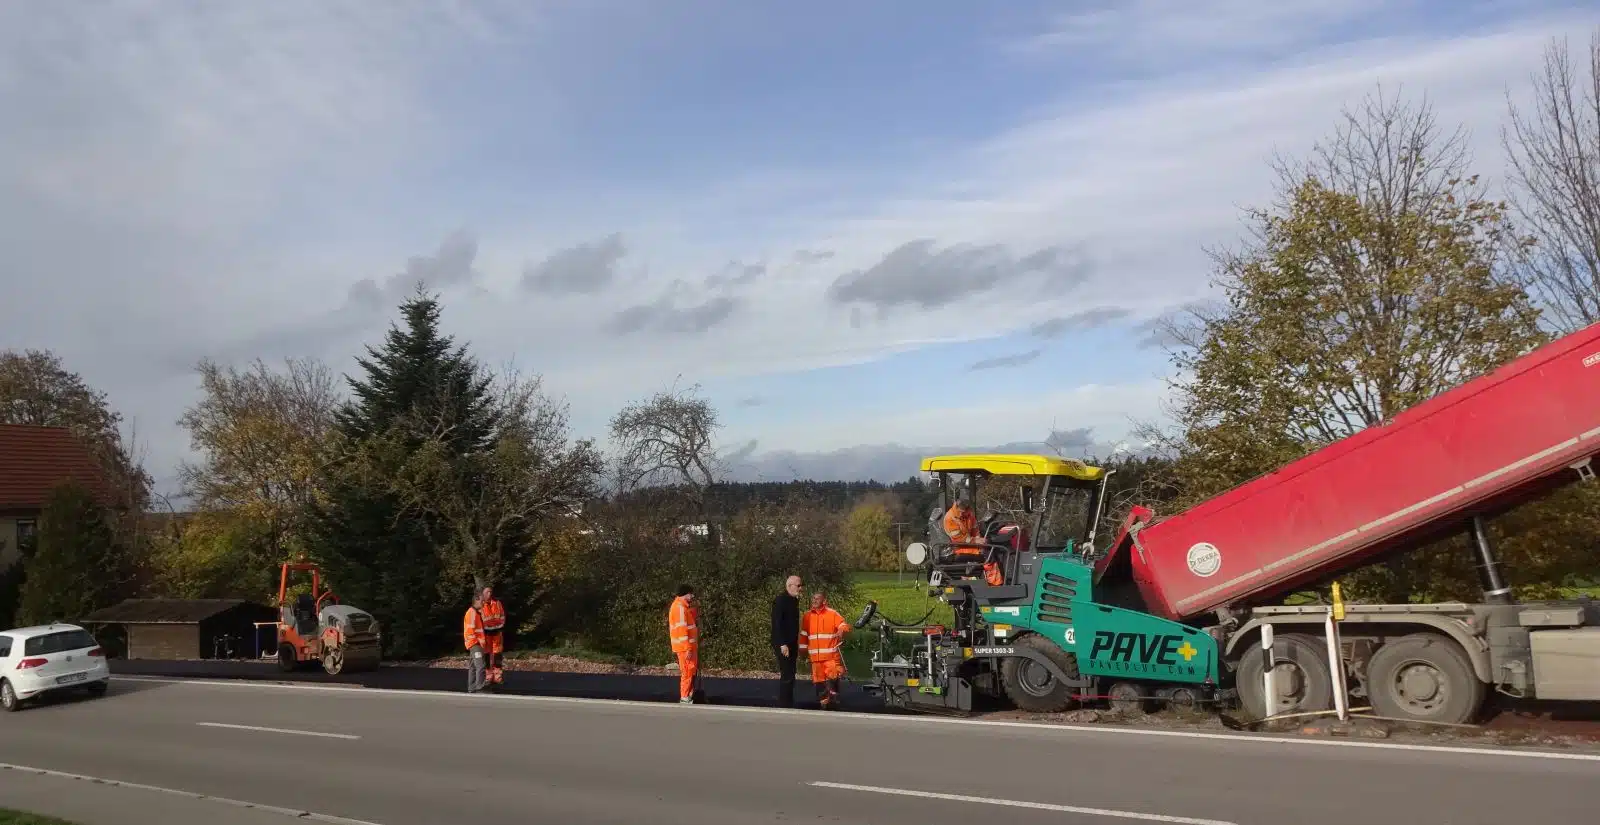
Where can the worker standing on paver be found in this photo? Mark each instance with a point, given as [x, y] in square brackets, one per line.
[822, 632]
[472, 635]
[494, 625]
[684, 632]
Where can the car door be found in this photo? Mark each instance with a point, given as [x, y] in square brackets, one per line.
[5, 653]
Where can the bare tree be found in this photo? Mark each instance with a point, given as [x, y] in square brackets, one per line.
[262, 434]
[668, 440]
[1554, 154]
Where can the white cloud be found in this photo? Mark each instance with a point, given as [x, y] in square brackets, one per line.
[180, 178]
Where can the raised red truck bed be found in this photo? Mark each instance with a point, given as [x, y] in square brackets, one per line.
[1488, 443]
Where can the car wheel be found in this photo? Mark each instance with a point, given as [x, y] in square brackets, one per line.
[8, 697]
[98, 689]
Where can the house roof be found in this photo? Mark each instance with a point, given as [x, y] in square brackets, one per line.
[165, 611]
[39, 458]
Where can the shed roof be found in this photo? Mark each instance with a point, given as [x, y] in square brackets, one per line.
[166, 611]
[39, 458]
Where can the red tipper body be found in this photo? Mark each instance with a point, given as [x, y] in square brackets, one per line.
[1487, 444]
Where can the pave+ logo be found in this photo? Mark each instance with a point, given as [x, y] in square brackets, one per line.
[1150, 653]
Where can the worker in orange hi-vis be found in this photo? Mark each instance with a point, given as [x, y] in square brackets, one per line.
[494, 625]
[961, 525]
[472, 635]
[685, 636]
[822, 632]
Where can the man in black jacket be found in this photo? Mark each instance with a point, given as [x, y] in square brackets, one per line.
[786, 637]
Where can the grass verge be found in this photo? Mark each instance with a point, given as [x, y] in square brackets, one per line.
[902, 599]
[10, 817]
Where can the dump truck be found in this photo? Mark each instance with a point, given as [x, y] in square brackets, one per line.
[1174, 608]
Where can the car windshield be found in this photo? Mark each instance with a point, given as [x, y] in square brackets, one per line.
[59, 642]
[1067, 511]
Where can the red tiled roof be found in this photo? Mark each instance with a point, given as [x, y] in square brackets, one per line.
[35, 459]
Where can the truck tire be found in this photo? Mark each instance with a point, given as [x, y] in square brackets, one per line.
[1424, 677]
[1304, 683]
[1033, 688]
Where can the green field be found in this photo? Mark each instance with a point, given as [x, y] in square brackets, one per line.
[902, 599]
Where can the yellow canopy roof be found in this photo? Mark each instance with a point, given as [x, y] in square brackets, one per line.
[1012, 465]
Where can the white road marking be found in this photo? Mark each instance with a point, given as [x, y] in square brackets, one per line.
[238, 803]
[278, 730]
[856, 718]
[1017, 803]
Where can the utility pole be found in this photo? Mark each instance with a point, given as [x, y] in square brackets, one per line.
[900, 552]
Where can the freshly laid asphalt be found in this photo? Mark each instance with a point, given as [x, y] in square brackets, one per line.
[738, 692]
[404, 758]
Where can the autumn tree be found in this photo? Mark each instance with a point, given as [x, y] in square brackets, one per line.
[1554, 158]
[1373, 285]
[262, 435]
[867, 540]
[215, 554]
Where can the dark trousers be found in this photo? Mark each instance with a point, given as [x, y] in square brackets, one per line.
[786, 674]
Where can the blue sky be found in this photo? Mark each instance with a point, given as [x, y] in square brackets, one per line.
[827, 214]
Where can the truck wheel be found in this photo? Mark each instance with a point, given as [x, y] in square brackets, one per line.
[1034, 688]
[1303, 681]
[1424, 677]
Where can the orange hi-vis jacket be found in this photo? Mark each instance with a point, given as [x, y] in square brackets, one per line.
[494, 616]
[965, 541]
[822, 630]
[472, 629]
[681, 627]
[963, 532]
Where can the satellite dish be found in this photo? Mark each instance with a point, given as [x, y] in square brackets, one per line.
[916, 553]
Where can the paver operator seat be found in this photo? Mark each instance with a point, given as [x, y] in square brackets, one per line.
[999, 536]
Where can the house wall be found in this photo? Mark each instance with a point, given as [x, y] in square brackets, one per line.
[163, 641]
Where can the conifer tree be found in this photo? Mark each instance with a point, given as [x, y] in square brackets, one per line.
[77, 566]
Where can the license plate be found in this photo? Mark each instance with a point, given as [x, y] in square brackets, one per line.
[70, 678]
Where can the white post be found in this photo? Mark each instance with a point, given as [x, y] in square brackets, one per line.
[1270, 672]
[1335, 667]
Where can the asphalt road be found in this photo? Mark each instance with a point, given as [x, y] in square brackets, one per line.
[398, 758]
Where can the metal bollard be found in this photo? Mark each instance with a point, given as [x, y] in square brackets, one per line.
[1336, 667]
[1270, 671]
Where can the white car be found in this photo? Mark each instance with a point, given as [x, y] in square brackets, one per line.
[50, 658]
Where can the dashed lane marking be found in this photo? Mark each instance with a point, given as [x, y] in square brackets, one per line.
[278, 730]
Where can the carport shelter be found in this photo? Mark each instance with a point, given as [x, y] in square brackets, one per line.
[188, 628]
